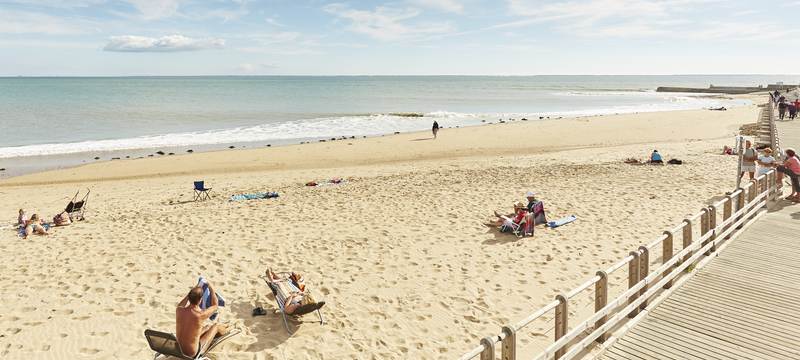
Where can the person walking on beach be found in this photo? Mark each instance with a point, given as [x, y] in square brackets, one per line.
[749, 160]
[435, 129]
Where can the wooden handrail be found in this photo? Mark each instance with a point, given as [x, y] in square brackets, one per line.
[643, 284]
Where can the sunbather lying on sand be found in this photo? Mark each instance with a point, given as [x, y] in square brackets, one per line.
[35, 226]
[62, 219]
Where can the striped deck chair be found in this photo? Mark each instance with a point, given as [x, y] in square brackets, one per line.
[281, 289]
[166, 344]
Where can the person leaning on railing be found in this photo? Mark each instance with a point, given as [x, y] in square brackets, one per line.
[791, 167]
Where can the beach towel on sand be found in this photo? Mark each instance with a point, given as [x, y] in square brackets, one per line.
[562, 221]
[205, 303]
[253, 196]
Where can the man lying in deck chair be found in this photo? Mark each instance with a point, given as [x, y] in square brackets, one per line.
[292, 296]
[192, 336]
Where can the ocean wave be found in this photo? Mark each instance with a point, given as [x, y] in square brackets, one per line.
[349, 125]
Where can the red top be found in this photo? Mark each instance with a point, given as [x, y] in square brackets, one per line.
[520, 215]
[793, 164]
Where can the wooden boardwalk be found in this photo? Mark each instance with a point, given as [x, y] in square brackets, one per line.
[745, 304]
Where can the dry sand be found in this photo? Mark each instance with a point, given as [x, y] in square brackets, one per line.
[398, 252]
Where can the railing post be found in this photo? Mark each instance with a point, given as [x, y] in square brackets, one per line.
[687, 238]
[727, 210]
[666, 254]
[751, 190]
[704, 224]
[633, 278]
[600, 301]
[644, 270]
[740, 206]
[561, 323]
[488, 348]
[712, 226]
[509, 346]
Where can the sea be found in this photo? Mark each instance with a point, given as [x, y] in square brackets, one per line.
[105, 117]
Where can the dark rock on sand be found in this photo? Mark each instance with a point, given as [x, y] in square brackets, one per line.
[127, 156]
[231, 147]
[396, 132]
[97, 158]
[2, 169]
[160, 152]
[171, 154]
[190, 151]
[268, 145]
[151, 155]
[114, 158]
[322, 140]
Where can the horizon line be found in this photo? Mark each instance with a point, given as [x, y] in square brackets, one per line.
[376, 75]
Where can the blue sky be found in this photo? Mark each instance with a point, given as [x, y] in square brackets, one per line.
[315, 37]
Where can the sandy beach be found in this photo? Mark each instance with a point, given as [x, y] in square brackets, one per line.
[398, 252]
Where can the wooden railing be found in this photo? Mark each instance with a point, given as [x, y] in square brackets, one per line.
[699, 235]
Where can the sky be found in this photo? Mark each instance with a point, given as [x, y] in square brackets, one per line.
[401, 37]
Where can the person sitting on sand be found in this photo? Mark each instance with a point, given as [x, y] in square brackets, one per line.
[62, 219]
[35, 226]
[535, 209]
[791, 167]
[655, 158]
[296, 296]
[192, 336]
[22, 219]
[727, 150]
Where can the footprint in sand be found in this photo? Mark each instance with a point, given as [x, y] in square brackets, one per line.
[89, 351]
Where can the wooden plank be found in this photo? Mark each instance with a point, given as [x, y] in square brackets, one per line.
[693, 336]
[662, 349]
[767, 330]
[738, 309]
[685, 345]
[615, 353]
[680, 346]
[724, 332]
[720, 288]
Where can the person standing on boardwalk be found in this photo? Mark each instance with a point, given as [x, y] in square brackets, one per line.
[791, 167]
[435, 128]
[749, 160]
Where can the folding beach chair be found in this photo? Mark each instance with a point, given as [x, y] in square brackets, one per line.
[200, 191]
[280, 298]
[167, 345]
[75, 209]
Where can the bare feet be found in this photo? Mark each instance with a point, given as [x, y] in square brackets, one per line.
[222, 330]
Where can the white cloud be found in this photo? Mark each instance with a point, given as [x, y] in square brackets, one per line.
[453, 6]
[170, 43]
[386, 23]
